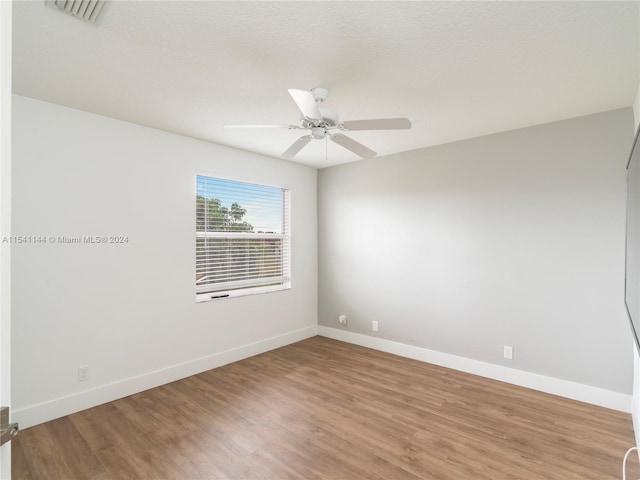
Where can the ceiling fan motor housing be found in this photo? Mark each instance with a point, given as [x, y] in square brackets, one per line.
[329, 119]
[320, 94]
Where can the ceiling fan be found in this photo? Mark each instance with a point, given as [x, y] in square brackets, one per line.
[320, 121]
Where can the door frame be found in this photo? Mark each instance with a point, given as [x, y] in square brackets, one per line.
[6, 9]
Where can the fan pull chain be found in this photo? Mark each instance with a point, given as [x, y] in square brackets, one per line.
[326, 148]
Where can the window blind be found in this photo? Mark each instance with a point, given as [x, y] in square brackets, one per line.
[242, 237]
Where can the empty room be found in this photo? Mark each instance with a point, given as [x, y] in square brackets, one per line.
[333, 240]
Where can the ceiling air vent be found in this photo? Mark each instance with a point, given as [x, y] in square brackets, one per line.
[85, 9]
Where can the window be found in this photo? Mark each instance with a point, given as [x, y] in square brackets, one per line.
[242, 238]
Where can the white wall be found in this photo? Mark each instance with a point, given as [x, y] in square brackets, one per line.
[6, 9]
[511, 239]
[636, 356]
[128, 312]
[636, 109]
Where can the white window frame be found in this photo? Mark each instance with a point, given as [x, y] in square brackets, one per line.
[207, 292]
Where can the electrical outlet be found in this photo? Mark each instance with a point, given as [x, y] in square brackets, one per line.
[374, 325]
[342, 319]
[83, 374]
[508, 352]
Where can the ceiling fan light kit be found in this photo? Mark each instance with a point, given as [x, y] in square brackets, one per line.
[318, 133]
[319, 120]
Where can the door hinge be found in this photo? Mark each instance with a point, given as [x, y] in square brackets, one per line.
[8, 431]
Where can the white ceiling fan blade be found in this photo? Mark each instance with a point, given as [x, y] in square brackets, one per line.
[378, 124]
[262, 126]
[298, 145]
[351, 144]
[306, 103]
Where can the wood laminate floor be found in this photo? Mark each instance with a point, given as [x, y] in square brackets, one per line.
[323, 409]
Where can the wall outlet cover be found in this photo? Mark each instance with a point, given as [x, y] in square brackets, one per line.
[508, 352]
[83, 374]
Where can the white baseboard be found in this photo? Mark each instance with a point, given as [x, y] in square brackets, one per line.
[59, 407]
[635, 412]
[636, 422]
[542, 383]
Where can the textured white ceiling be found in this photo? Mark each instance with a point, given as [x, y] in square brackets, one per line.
[456, 69]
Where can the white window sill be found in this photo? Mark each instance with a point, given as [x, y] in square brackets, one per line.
[214, 296]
